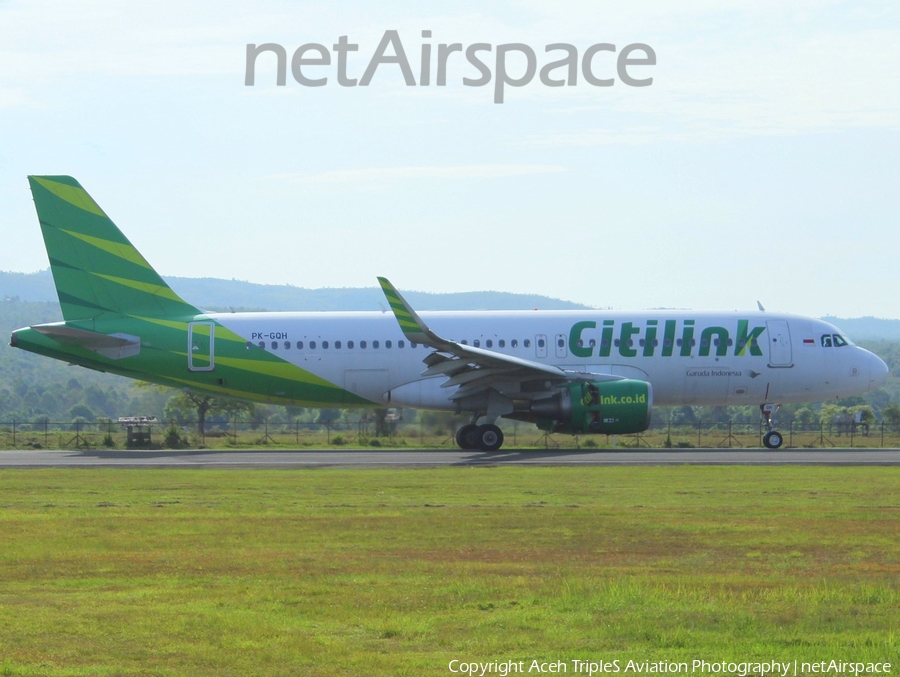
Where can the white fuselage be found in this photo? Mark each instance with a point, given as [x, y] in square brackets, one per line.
[689, 358]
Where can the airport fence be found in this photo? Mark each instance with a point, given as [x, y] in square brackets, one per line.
[363, 433]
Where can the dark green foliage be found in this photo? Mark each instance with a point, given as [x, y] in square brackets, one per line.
[173, 439]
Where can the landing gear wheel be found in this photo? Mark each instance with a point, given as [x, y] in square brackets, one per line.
[773, 439]
[465, 436]
[489, 437]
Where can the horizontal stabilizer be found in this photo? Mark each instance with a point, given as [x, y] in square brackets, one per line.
[113, 346]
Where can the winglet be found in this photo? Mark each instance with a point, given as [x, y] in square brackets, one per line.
[410, 323]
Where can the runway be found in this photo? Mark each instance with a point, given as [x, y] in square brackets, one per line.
[425, 458]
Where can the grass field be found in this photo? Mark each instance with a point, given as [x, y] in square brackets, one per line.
[398, 572]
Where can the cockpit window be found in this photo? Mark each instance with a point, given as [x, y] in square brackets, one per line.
[835, 340]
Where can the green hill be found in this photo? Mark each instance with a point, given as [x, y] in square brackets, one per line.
[224, 294]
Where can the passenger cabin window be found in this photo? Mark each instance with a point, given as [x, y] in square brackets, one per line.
[324, 345]
[312, 345]
[349, 345]
[401, 344]
[287, 345]
[501, 343]
[476, 343]
[527, 343]
[514, 343]
[274, 345]
[375, 344]
[299, 345]
[387, 344]
[362, 345]
[262, 344]
[489, 344]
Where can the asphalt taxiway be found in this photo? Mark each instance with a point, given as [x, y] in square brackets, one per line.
[364, 458]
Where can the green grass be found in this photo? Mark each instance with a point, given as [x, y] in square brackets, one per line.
[396, 572]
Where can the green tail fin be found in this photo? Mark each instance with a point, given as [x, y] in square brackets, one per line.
[96, 269]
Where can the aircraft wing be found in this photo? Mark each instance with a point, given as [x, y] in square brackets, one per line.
[475, 369]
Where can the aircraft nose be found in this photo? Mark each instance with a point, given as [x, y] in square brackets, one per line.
[878, 370]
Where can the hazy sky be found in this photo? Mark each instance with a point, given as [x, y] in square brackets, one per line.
[762, 163]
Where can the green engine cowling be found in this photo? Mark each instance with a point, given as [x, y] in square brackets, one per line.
[598, 407]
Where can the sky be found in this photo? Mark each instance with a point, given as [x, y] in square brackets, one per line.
[760, 164]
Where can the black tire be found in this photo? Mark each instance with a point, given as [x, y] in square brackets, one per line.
[489, 437]
[466, 438]
[773, 439]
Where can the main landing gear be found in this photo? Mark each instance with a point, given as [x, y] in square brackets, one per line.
[772, 439]
[486, 437]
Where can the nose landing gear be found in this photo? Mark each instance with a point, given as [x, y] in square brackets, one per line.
[772, 439]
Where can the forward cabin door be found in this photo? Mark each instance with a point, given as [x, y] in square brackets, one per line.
[779, 344]
[201, 346]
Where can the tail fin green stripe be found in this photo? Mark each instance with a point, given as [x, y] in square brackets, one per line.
[155, 289]
[126, 252]
[96, 269]
[73, 194]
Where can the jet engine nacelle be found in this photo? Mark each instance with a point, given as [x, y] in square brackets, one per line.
[601, 407]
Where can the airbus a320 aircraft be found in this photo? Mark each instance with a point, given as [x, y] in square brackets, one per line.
[576, 372]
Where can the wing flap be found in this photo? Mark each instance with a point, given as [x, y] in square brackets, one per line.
[471, 375]
[447, 368]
